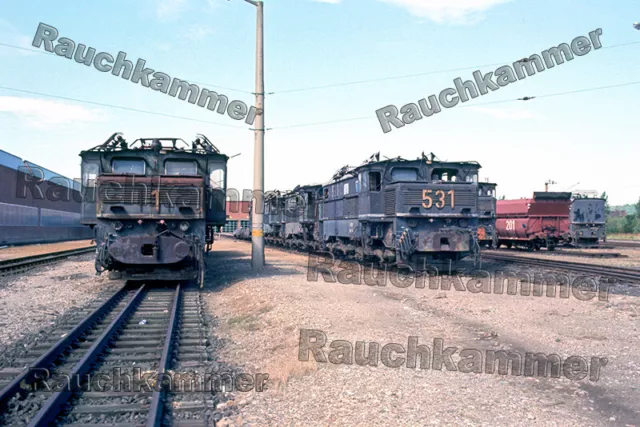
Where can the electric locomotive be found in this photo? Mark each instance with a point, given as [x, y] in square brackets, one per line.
[587, 226]
[487, 215]
[154, 204]
[408, 212]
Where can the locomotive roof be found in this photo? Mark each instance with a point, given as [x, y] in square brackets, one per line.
[117, 143]
[374, 160]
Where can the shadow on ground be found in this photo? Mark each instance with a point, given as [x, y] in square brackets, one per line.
[228, 267]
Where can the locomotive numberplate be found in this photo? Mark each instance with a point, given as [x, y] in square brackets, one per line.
[440, 197]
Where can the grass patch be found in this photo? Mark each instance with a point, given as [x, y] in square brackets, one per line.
[245, 321]
[623, 236]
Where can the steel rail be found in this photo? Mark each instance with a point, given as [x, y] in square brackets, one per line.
[50, 411]
[30, 260]
[625, 243]
[602, 270]
[47, 360]
[156, 410]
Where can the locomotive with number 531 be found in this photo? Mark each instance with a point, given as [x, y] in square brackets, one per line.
[396, 211]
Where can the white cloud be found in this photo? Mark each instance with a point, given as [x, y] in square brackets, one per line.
[446, 10]
[506, 114]
[40, 113]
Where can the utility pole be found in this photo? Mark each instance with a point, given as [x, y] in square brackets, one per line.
[257, 228]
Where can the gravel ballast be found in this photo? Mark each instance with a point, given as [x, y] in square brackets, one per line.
[260, 318]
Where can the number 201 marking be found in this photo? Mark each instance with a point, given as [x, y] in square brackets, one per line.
[441, 200]
[510, 224]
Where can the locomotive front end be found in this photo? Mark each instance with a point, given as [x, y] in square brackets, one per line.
[587, 226]
[154, 205]
[436, 221]
[151, 222]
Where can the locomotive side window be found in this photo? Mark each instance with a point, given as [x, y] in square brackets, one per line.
[89, 174]
[346, 188]
[404, 174]
[216, 176]
[128, 167]
[450, 175]
[180, 167]
[374, 181]
[363, 181]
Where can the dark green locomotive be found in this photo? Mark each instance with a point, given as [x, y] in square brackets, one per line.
[154, 204]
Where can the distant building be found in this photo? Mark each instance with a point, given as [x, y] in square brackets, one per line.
[237, 216]
[618, 213]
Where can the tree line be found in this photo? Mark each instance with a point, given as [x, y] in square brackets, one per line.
[626, 224]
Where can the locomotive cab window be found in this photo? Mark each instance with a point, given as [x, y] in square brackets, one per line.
[374, 181]
[181, 167]
[216, 176]
[445, 175]
[128, 166]
[404, 174]
[90, 174]
[363, 181]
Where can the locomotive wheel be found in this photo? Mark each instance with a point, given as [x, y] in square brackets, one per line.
[509, 245]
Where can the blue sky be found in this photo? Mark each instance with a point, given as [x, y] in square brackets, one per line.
[584, 138]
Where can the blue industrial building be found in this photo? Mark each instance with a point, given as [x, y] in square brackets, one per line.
[37, 205]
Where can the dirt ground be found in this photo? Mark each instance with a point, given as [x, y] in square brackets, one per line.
[12, 252]
[260, 318]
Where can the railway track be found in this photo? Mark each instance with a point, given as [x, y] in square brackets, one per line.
[17, 265]
[620, 273]
[115, 365]
[624, 243]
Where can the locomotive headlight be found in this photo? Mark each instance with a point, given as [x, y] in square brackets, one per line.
[463, 223]
[184, 226]
[117, 225]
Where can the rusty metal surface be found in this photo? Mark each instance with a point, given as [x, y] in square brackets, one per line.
[445, 241]
[149, 250]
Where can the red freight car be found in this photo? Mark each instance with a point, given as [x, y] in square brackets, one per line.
[542, 221]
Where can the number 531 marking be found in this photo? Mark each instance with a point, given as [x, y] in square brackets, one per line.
[427, 200]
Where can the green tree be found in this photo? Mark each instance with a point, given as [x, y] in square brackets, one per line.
[607, 208]
[615, 225]
[629, 224]
[637, 206]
